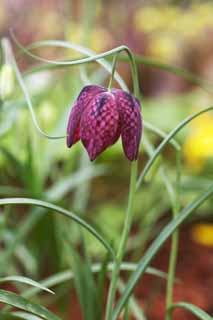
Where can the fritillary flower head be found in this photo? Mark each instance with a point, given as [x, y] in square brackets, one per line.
[99, 117]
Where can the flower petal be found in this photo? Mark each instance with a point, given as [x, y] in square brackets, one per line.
[99, 126]
[84, 98]
[131, 122]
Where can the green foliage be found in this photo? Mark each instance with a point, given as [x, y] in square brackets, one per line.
[17, 301]
[38, 176]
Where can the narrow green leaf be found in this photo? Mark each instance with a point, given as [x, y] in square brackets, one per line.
[166, 140]
[147, 61]
[155, 247]
[102, 277]
[160, 133]
[25, 316]
[19, 302]
[199, 313]
[181, 72]
[25, 281]
[65, 276]
[52, 207]
[136, 309]
[126, 311]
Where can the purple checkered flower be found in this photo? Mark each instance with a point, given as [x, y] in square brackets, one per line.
[99, 117]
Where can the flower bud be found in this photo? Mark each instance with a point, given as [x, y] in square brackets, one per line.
[6, 81]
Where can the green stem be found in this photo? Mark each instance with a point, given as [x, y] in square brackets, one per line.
[113, 71]
[8, 48]
[121, 249]
[132, 191]
[174, 242]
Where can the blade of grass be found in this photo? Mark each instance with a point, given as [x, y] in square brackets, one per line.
[181, 72]
[147, 125]
[52, 207]
[166, 140]
[147, 61]
[25, 316]
[68, 275]
[199, 313]
[58, 190]
[135, 308]
[19, 302]
[156, 245]
[25, 281]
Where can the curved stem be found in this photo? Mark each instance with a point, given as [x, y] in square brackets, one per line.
[129, 211]
[94, 57]
[124, 237]
[114, 51]
[113, 70]
[7, 47]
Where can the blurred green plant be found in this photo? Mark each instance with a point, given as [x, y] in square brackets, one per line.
[41, 178]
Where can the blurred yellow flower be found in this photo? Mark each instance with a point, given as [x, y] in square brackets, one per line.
[98, 39]
[198, 147]
[179, 22]
[203, 12]
[7, 81]
[203, 234]
[189, 25]
[150, 19]
[163, 47]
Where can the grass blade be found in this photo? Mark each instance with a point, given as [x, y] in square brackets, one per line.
[156, 245]
[19, 302]
[181, 72]
[65, 276]
[199, 313]
[160, 133]
[25, 281]
[147, 61]
[166, 140]
[52, 207]
[25, 316]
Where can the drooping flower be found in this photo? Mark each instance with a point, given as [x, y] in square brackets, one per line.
[99, 117]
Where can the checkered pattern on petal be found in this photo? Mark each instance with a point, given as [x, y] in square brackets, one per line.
[131, 122]
[99, 126]
[85, 97]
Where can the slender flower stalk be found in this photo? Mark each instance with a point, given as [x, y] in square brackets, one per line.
[115, 58]
[123, 241]
[129, 211]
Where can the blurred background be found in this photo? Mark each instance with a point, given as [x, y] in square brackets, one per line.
[162, 34]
